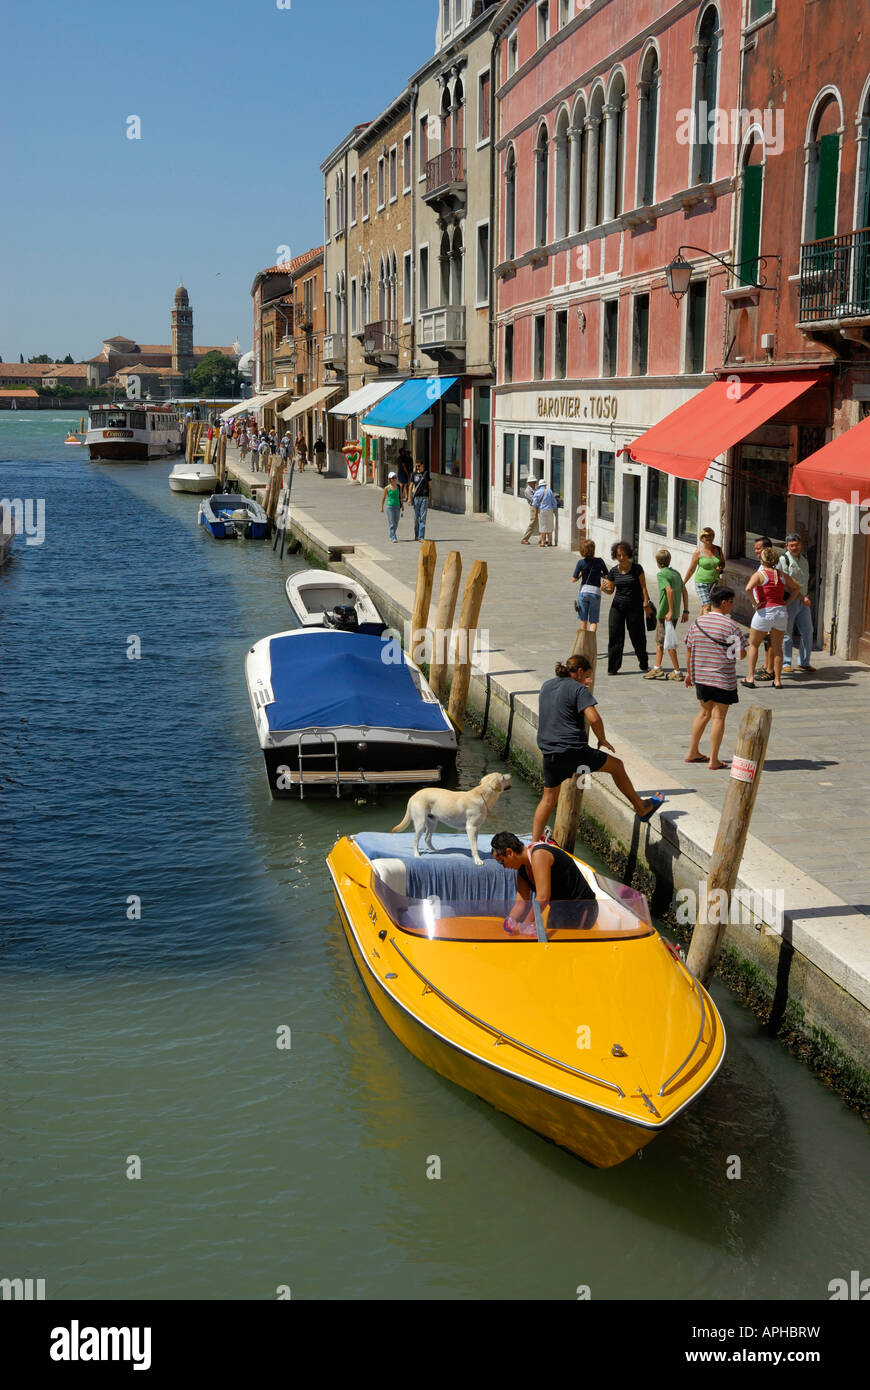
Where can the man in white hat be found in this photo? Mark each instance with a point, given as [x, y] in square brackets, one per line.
[532, 528]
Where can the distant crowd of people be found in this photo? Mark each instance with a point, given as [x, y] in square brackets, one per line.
[265, 446]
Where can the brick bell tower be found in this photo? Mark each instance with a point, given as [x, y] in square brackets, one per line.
[183, 359]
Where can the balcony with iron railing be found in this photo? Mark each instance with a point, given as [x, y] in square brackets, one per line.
[380, 340]
[835, 279]
[442, 331]
[445, 177]
[334, 347]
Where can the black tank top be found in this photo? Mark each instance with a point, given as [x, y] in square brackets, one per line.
[567, 884]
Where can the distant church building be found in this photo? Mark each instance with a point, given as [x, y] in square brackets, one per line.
[183, 359]
[160, 368]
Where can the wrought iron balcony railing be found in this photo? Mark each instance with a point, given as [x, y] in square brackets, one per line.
[446, 168]
[835, 278]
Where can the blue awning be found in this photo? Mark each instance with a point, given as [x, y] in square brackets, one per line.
[410, 400]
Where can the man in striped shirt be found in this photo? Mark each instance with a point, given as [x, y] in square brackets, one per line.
[713, 644]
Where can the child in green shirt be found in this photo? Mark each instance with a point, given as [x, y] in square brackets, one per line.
[672, 596]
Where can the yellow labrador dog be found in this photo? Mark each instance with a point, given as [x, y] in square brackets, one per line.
[461, 810]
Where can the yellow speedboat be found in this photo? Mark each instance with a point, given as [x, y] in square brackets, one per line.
[596, 1037]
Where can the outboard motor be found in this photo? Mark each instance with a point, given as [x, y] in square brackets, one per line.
[343, 617]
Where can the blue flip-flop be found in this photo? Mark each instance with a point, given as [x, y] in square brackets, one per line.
[657, 800]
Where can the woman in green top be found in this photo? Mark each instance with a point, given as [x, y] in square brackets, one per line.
[391, 498]
[709, 562]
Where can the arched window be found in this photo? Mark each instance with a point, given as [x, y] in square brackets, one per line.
[862, 206]
[823, 169]
[542, 185]
[340, 303]
[393, 315]
[446, 120]
[383, 290]
[751, 191]
[614, 148]
[458, 115]
[595, 159]
[706, 52]
[577, 161]
[648, 117]
[456, 259]
[510, 205]
[563, 176]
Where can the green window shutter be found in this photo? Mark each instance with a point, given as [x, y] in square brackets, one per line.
[750, 222]
[826, 186]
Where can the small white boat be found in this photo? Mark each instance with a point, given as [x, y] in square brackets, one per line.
[319, 598]
[193, 477]
[7, 532]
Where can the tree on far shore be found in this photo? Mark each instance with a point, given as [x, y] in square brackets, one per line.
[43, 357]
[215, 375]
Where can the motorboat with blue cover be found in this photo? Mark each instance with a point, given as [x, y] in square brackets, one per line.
[320, 598]
[344, 710]
[228, 514]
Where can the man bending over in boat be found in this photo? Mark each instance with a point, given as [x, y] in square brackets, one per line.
[553, 877]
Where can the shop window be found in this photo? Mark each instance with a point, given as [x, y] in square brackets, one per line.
[606, 485]
[687, 511]
[657, 502]
[696, 326]
[451, 432]
[508, 460]
[540, 331]
[524, 456]
[640, 335]
[560, 345]
[539, 457]
[611, 332]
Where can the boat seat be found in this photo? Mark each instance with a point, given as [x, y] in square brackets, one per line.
[392, 873]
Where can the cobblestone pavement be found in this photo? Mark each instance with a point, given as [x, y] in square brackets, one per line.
[814, 799]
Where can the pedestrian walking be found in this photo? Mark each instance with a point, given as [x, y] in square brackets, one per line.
[631, 603]
[713, 644]
[798, 610]
[709, 561]
[243, 444]
[319, 453]
[766, 673]
[404, 469]
[391, 499]
[590, 570]
[567, 710]
[301, 448]
[672, 597]
[546, 505]
[768, 587]
[421, 498]
[532, 528]
[262, 454]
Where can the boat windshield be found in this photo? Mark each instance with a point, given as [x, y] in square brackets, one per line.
[616, 913]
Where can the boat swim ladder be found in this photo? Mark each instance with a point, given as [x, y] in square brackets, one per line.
[318, 737]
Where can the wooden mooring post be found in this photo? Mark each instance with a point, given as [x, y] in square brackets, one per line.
[571, 794]
[714, 906]
[469, 616]
[422, 598]
[450, 577]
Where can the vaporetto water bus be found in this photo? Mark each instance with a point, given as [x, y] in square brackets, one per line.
[132, 433]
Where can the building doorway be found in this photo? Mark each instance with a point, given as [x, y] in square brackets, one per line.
[579, 496]
[481, 461]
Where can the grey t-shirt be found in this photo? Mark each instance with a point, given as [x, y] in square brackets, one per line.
[561, 722]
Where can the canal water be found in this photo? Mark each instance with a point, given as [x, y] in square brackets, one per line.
[155, 1038]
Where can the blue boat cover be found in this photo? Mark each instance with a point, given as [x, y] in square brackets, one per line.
[450, 872]
[337, 679]
[410, 400]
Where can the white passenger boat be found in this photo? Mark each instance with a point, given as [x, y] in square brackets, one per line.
[132, 432]
[7, 531]
[319, 598]
[193, 477]
[339, 710]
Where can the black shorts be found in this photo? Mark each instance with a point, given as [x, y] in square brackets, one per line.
[718, 696]
[559, 766]
[583, 912]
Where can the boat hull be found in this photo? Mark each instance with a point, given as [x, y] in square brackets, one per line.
[198, 481]
[600, 1140]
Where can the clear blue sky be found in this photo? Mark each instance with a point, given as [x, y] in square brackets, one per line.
[239, 104]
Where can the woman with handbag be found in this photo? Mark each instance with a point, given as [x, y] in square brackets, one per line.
[631, 604]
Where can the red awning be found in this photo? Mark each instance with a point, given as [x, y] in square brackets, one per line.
[686, 441]
[839, 471]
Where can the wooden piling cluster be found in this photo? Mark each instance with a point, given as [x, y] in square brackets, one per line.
[444, 636]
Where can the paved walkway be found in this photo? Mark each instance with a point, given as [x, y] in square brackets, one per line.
[814, 800]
